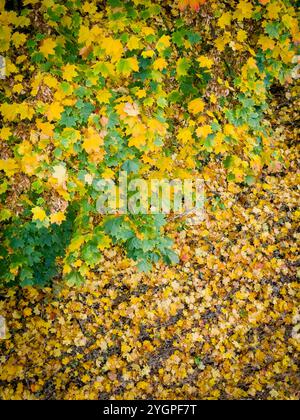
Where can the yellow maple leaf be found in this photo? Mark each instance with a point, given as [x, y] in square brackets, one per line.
[108, 174]
[230, 130]
[141, 93]
[163, 43]
[5, 133]
[204, 131]
[46, 128]
[17, 88]
[113, 47]
[89, 7]
[105, 243]
[54, 111]
[76, 243]
[69, 72]
[134, 43]
[47, 47]
[103, 96]
[57, 218]
[160, 64]
[38, 214]
[142, 385]
[5, 35]
[185, 135]
[205, 61]
[148, 54]
[266, 43]
[241, 35]
[9, 166]
[9, 111]
[213, 99]
[92, 141]
[30, 163]
[244, 10]
[224, 20]
[222, 41]
[196, 106]
[27, 312]
[18, 39]
[219, 145]
[138, 141]
[26, 111]
[85, 379]
[273, 10]
[84, 36]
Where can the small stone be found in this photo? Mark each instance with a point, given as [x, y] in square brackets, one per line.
[3, 329]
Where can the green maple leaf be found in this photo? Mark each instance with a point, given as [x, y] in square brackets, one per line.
[183, 65]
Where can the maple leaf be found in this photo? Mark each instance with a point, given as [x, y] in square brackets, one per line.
[9, 111]
[5, 133]
[60, 174]
[182, 67]
[105, 68]
[57, 218]
[30, 163]
[193, 4]
[9, 166]
[25, 111]
[224, 20]
[148, 53]
[69, 72]
[27, 312]
[204, 131]
[138, 138]
[134, 43]
[196, 106]
[113, 47]
[185, 135]
[205, 61]
[104, 242]
[104, 96]
[47, 129]
[244, 10]
[54, 111]
[92, 141]
[160, 64]
[131, 109]
[137, 141]
[38, 214]
[273, 10]
[266, 43]
[18, 39]
[163, 43]
[127, 65]
[141, 93]
[242, 35]
[5, 37]
[48, 46]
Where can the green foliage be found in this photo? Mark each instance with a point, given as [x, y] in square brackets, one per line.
[29, 252]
